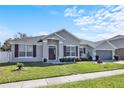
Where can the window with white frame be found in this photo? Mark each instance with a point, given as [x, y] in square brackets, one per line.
[82, 51]
[25, 50]
[70, 50]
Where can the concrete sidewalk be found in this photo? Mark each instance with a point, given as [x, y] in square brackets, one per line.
[60, 80]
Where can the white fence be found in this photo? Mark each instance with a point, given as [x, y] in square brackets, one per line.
[5, 56]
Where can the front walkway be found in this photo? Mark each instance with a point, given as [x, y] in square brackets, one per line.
[60, 80]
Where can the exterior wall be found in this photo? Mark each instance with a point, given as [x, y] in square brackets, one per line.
[118, 43]
[69, 39]
[88, 49]
[104, 46]
[31, 59]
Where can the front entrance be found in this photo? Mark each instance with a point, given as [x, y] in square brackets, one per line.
[52, 53]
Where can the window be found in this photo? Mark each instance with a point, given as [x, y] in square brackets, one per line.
[21, 50]
[25, 50]
[82, 51]
[29, 50]
[70, 50]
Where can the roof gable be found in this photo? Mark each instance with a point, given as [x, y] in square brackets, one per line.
[66, 32]
[106, 45]
[53, 36]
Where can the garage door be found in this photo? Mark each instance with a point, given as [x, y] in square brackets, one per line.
[104, 54]
[120, 53]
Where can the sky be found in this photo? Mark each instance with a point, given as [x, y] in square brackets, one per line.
[91, 22]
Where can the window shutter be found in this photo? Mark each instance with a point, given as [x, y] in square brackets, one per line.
[84, 50]
[34, 50]
[16, 50]
[64, 51]
[76, 50]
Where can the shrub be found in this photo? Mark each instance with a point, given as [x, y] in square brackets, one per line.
[45, 60]
[67, 59]
[97, 57]
[84, 59]
[19, 66]
[90, 58]
[116, 57]
[99, 61]
[77, 59]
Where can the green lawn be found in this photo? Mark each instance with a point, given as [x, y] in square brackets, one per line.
[35, 71]
[106, 82]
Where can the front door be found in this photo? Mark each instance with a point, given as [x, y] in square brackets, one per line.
[52, 52]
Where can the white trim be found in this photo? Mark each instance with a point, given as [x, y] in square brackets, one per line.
[59, 36]
[111, 44]
[60, 42]
[44, 40]
[53, 34]
[25, 45]
[70, 51]
[56, 52]
[71, 45]
[26, 57]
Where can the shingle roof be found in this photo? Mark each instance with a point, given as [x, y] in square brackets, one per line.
[87, 42]
[82, 41]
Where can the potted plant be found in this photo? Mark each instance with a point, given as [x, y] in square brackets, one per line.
[116, 57]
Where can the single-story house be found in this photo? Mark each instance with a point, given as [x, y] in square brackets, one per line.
[64, 44]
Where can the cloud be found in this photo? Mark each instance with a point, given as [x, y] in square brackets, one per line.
[43, 33]
[105, 22]
[73, 12]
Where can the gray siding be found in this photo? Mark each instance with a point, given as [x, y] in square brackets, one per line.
[88, 49]
[104, 46]
[119, 43]
[69, 39]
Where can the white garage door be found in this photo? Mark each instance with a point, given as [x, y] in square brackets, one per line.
[104, 54]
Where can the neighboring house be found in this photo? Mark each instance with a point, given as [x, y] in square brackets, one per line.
[64, 44]
[106, 49]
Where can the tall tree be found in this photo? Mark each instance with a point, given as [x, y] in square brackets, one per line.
[20, 35]
[7, 46]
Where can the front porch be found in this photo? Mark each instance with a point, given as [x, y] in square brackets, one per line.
[53, 48]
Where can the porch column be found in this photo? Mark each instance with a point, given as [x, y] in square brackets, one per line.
[78, 51]
[60, 49]
[94, 54]
[45, 49]
[113, 54]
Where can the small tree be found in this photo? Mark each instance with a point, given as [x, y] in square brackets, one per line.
[19, 66]
[6, 46]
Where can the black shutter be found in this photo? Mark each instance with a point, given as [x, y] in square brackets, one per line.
[64, 51]
[76, 50]
[16, 50]
[34, 50]
[84, 50]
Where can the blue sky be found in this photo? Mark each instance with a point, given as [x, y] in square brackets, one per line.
[88, 22]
